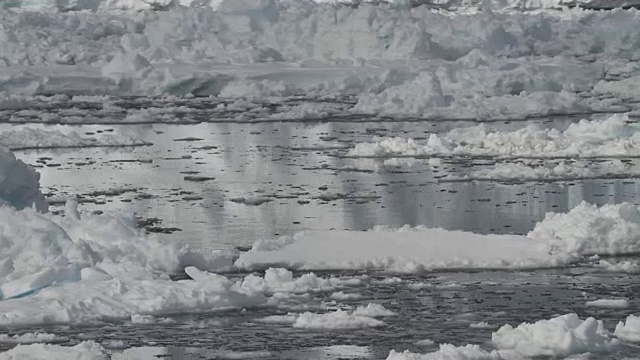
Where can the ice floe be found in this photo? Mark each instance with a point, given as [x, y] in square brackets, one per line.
[399, 250]
[629, 330]
[589, 229]
[611, 137]
[609, 303]
[391, 61]
[87, 350]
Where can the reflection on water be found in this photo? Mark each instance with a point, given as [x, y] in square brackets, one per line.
[298, 169]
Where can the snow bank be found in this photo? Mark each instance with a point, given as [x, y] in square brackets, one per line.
[398, 250]
[561, 336]
[589, 229]
[87, 350]
[19, 184]
[610, 137]
[629, 330]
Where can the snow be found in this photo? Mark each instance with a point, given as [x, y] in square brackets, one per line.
[629, 330]
[611, 137]
[609, 303]
[560, 336]
[589, 229]
[398, 250]
[87, 350]
[392, 61]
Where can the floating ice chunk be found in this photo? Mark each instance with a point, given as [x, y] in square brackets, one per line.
[342, 296]
[34, 138]
[425, 342]
[629, 330]
[31, 338]
[589, 229]
[87, 350]
[561, 336]
[610, 137]
[399, 250]
[449, 352]
[551, 171]
[609, 303]
[337, 320]
[373, 310]
[480, 325]
[122, 298]
[281, 280]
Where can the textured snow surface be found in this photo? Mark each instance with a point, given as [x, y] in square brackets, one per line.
[610, 137]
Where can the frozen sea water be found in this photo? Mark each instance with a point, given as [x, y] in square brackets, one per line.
[224, 185]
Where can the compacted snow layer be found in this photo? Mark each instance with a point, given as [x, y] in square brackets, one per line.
[611, 137]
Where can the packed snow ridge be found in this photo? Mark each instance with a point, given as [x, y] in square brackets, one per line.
[393, 61]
